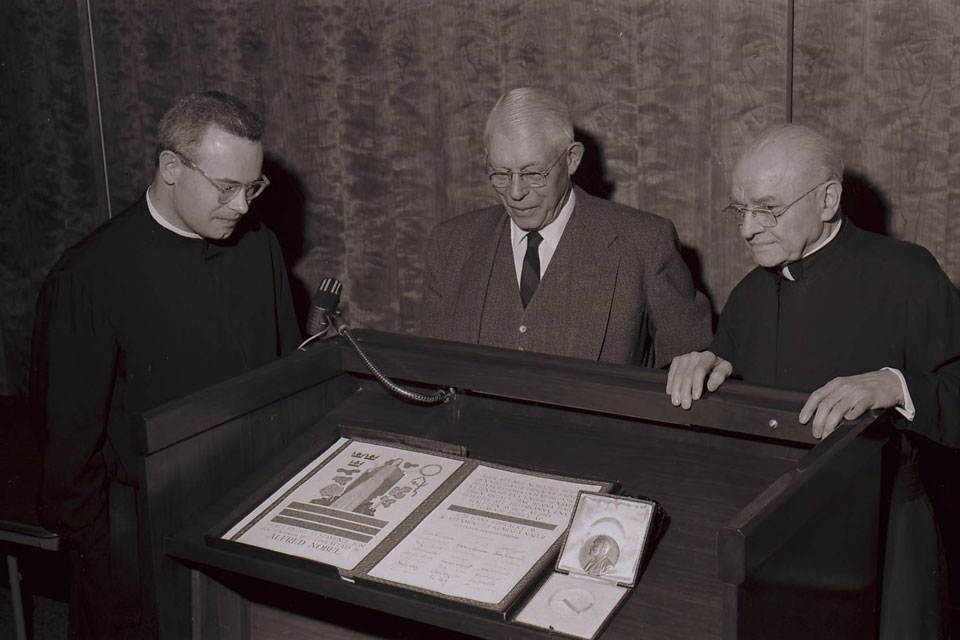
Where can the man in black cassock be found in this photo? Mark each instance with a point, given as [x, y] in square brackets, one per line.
[860, 320]
[178, 292]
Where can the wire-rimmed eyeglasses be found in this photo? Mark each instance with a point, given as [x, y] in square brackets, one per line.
[229, 191]
[766, 216]
[531, 179]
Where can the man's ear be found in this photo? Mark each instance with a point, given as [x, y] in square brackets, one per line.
[169, 166]
[831, 200]
[574, 156]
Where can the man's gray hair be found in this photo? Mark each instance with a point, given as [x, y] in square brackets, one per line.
[530, 110]
[183, 126]
[821, 152]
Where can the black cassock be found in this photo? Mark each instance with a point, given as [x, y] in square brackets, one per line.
[132, 317]
[861, 303]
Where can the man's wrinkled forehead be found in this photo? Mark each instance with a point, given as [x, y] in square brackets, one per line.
[765, 174]
[515, 132]
[523, 146]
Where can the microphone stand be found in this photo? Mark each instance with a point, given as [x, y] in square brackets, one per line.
[437, 397]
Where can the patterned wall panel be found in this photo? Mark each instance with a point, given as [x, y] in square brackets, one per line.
[375, 111]
[883, 83]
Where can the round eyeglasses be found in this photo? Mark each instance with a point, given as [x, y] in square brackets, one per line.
[531, 179]
[230, 190]
[767, 216]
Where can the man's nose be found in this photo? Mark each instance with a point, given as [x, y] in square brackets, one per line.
[239, 202]
[749, 226]
[518, 190]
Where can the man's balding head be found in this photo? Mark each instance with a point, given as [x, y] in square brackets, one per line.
[796, 172]
[810, 153]
[531, 155]
[527, 111]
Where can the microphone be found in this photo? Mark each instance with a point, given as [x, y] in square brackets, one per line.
[325, 302]
[320, 319]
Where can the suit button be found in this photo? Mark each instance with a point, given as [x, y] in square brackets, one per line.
[523, 328]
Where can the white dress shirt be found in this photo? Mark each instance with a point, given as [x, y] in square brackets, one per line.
[551, 237]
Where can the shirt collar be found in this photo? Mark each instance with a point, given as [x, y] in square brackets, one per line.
[552, 232]
[809, 252]
[166, 225]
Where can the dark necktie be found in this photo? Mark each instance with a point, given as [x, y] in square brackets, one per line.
[530, 271]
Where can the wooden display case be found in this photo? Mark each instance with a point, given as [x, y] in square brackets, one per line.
[769, 534]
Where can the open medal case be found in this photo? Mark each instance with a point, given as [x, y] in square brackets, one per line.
[598, 565]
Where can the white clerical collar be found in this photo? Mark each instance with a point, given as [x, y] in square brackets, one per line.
[552, 232]
[809, 252]
[166, 225]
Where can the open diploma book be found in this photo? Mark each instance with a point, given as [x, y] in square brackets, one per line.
[430, 521]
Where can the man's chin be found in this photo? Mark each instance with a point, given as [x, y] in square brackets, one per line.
[527, 220]
[765, 256]
[219, 232]
[225, 228]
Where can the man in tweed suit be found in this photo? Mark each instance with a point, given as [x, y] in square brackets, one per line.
[552, 269]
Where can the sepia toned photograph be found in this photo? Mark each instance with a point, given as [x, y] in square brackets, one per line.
[704, 251]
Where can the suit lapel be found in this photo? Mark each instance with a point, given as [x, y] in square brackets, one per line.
[582, 276]
[474, 278]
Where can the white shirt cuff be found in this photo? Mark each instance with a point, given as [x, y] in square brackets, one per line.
[908, 411]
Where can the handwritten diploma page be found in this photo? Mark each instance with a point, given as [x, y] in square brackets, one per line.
[337, 509]
[485, 536]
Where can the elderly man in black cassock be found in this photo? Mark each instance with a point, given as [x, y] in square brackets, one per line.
[862, 322]
[178, 292]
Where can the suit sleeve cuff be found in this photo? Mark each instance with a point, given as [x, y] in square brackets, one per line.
[907, 410]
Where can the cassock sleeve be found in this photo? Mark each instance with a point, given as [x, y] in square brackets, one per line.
[72, 374]
[932, 362]
[680, 320]
[288, 327]
[431, 297]
[723, 344]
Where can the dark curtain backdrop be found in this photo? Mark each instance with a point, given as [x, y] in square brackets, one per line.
[375, 111]
[51, 179]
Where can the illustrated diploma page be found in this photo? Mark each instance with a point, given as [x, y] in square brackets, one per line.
[485, 536]
[338, 508]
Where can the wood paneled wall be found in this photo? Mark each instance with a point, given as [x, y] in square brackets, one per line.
[883, 79]
[375, 111]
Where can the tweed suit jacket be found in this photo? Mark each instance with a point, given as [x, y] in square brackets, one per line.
[621, 292]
